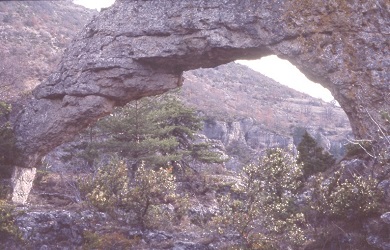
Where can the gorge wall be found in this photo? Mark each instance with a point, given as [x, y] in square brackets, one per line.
[141, 48]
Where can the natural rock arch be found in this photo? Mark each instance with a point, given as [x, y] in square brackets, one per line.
[140, 48]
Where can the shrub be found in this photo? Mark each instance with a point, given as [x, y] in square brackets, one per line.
[8, 229]
[263, 211]
[108, 189]
[359, 148]
[108, 241]
[146, 197]
[7, 141]
[148, 191]
[348, 199]
[314, 158]
[5, 189]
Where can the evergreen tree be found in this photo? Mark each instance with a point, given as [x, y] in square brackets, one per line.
[314, 158]
[7, 141]
[156, 130]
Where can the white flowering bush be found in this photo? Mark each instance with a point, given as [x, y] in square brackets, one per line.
[142, 196]
[263, 211]
[109, 188]
[349, 198]
[147, 191]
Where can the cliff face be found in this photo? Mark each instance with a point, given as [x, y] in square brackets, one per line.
[139, 48]
[249, 112]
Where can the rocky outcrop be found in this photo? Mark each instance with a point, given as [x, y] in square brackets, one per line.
[139, 48]
[22, 181]
[244, 140]
[244, 131]
[88, 229]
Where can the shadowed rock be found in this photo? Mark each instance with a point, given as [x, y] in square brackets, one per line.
[141, 48]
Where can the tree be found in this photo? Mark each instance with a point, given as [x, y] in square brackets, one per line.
[314, 158]
[142, 197]
[7, 140]
[158, 131]
[265, 212]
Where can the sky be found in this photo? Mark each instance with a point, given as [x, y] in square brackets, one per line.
[287, 74]
[95, 4]
[280, 70]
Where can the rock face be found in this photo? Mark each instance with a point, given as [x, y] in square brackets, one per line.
[65, 229]
[243, 139]
[22, 181]
[140, 48]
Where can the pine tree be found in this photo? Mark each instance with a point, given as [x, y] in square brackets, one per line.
[314, 158]
[8, 150]
[158, 131]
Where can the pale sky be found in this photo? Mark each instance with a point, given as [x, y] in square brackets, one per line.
[280, 70]
[287, 74]
[95, 4]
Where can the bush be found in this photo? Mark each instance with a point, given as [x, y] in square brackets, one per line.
[149, 190]
[7, 141]
[108, 241]
[314, 158]
[5, 189]
[147, 197]
[263, 211]
[108, 189]
[359, 149]
[8, 229]
[348, 199]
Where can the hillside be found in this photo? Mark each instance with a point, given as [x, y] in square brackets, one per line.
[33, 35]
[248, 110]
[235, 91]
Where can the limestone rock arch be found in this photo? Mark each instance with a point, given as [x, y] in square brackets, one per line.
[139, 48]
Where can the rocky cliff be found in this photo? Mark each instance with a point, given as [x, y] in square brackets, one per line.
[139, 48]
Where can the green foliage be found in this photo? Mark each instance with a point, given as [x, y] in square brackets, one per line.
[264, 213]
[347, 198]
[7, 141]
[146, 196]
[5, 108]
[5, 189]
[8, 229]
[151, 189]
[108, 241]
[358, 148]
[385, 116]
[298, 134]
[202, 153]
[158, 131]
[109, 188]
[313, 156]
[237, 149]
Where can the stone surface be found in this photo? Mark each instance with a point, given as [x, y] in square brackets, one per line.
[386, 217]
[53, 228]
[22, 181]
[140, 48]
[377, 230]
